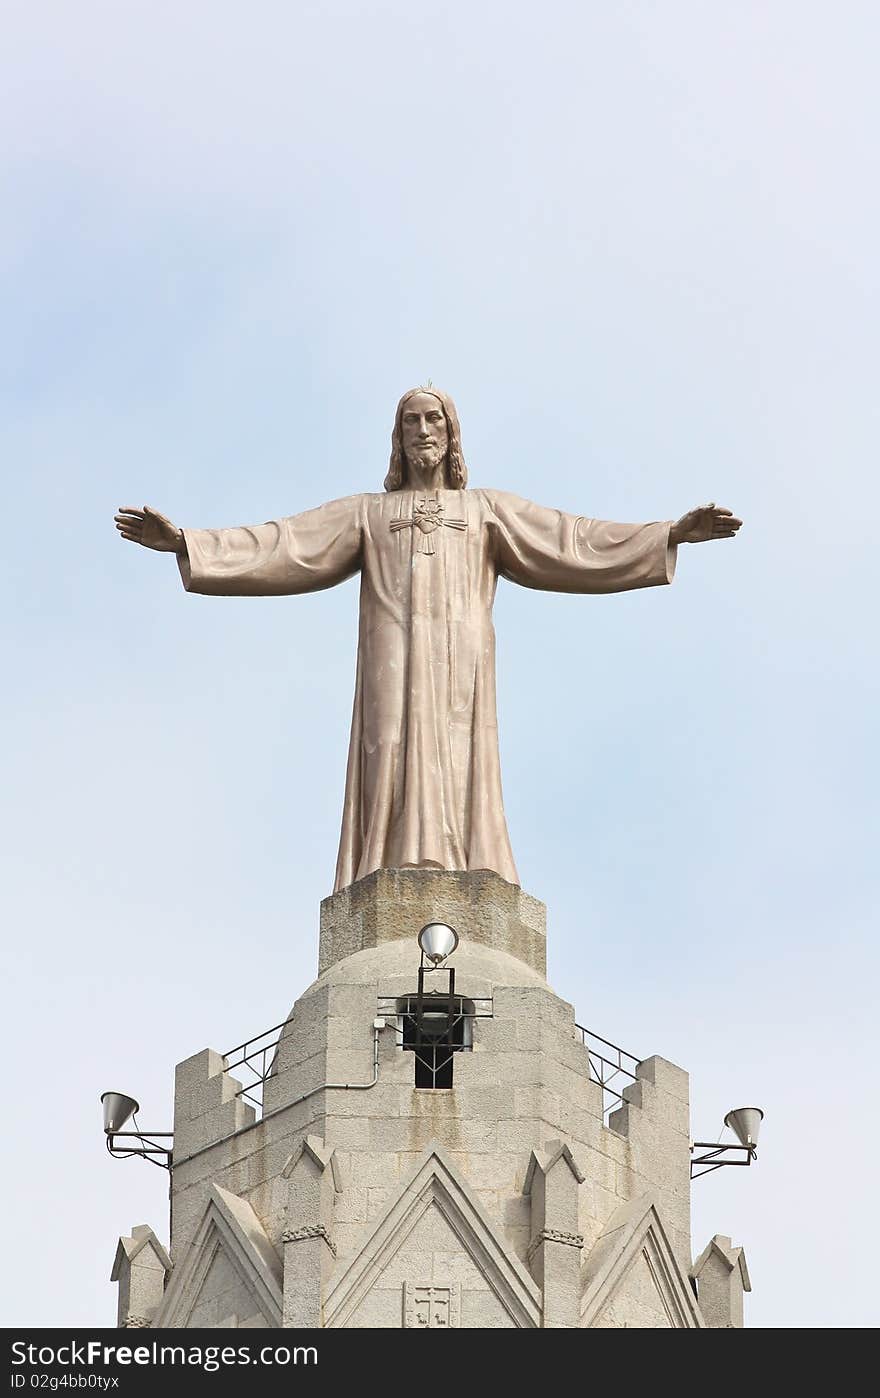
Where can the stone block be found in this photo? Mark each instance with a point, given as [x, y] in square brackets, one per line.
[519, 1137]
[491, 1203]
[582, 1120]
[496, 1035]
[538, 1102]
[381, 1101]
[352, 1002]
[197, 1069]
[520, 1003]
[305, 1269]
[193, 1136]
[457, 1269]
[348, 1133]
[518, 1240]
[529, 1033]
[344, 1033]
[379, 1310]
[516, 1210]
[475, 1068]
[490, 1102]
[482, 1310]
[599, 1167]
[351, 1205]
[294, 1080]
[373, 1169]
[377, 1202]
[212, 1094]
[518, 1069]
[490, 1170]
[431, 1102]
[569, 1050]
[393, 904]
[414, 1134]
[350, 1238]
[666, 1076]
[349, 1065]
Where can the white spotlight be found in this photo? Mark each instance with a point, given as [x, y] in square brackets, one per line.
[438, 941]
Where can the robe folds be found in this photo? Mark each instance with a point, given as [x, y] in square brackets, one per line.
[423, 783]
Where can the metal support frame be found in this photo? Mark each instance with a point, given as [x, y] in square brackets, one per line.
[147, 1148]
[713, 1150]
[429, 1048]
[431, 1041]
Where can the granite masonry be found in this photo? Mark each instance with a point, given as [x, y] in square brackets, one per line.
[356, 1198]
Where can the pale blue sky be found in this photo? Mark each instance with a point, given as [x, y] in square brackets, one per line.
[638, 244]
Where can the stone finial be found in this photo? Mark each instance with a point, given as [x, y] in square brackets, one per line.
[314, 1178]
[721, 1277]
[141, 1268]
[552, 1182]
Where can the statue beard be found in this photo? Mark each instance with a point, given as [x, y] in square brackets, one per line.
[428, 458]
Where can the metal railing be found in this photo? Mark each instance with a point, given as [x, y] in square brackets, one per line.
[610, 1066]
[257, 1057]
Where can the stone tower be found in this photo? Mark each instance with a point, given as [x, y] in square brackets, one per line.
[386, 1182]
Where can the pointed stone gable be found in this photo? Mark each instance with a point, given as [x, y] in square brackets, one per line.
[314, 1150]
[141, 1268]
[553, 1180]
[632, 1278]
[314, 1179]
[721, 1276]
[129, 1250]
[232, 1275]
[434, 1226]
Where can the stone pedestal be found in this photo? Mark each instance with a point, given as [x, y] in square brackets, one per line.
[393, 905]
[360, 1199]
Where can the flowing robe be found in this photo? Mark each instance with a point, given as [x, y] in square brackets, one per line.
[423, 783]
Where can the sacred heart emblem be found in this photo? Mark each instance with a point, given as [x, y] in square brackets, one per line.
[427, 517]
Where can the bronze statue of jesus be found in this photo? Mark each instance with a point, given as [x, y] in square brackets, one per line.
[423, 785]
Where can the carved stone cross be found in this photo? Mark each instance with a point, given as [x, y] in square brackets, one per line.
[431, 1307]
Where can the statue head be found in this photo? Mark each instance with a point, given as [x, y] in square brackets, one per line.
[419, 429]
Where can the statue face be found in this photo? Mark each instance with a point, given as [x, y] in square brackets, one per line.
[424, 430]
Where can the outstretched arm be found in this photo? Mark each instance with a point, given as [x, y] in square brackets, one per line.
[548, 549]
[545, 548]
[300, 553]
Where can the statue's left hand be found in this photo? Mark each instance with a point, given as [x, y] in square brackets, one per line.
[150, 529]
[704, 523]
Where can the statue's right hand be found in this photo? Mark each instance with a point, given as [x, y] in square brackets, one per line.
[149, 528]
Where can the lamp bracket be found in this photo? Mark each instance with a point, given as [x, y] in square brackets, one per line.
[147, 1147]
[716, 1156]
